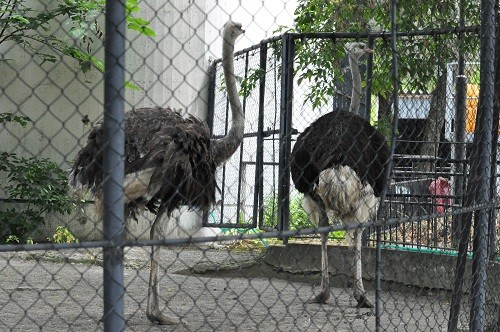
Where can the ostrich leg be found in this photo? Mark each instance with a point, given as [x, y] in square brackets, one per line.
[359, 289]
[153, 311]
[324, 294]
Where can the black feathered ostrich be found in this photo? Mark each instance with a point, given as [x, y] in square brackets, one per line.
[170, 161]
[338, 163]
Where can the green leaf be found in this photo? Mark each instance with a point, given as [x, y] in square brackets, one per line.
[148, 32]
[10, 117]
[132, 86]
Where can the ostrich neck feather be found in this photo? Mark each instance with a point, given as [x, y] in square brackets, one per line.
[356, 84]
[224, 147]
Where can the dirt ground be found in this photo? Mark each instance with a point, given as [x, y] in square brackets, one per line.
[210, 289]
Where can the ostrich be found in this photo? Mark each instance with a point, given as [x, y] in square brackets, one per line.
[170, 161]
[338, 164]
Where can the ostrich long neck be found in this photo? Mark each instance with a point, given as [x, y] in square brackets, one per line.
[223, 148]
[356, 84]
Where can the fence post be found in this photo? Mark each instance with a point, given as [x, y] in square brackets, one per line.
[113, 164]
[286, 108]
[258, 208]
[367, 110]
[494, 143]
[460, 120]
[242, 168]
[478, 186]
[369, 76]
[484, 131]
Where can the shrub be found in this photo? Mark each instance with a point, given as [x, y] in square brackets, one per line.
[63, 235]
[40, 184]
[298, 216]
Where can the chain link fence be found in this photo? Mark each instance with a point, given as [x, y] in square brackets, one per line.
[244, 244]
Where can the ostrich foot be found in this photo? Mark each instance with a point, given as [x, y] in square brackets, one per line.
[363, 302]
[157, 316]
[321, 298]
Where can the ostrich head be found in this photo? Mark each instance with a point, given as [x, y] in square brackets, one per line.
[355, 51]
[231, 31]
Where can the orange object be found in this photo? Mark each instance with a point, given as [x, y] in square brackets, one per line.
[471, 103]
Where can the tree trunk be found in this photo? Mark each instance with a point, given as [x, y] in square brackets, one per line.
[384, 108]
[433, 126]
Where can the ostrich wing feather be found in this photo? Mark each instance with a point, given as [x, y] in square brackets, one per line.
[339, 138]
[184, 170]
[166, 153]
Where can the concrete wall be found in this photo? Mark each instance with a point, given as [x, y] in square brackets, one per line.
[413, 270]
[56, 96]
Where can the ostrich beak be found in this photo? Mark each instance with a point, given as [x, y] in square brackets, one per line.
[368, 50]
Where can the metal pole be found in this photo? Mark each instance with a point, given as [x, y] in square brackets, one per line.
[258, 202]
[494, 142]
[242, 168]
[367, 111]
[113, 164]
[460, 119]
[484, 133]
[369, 76]
[285, 133]
[462, 222]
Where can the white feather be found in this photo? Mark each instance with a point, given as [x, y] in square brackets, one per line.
[137, 185]
[346, 198]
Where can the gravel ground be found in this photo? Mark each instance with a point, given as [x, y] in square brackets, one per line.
[210, 289]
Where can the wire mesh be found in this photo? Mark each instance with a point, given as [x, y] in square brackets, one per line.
[235, 273]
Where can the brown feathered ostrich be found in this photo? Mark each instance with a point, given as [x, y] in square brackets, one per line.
[338, 163]
[170, 161]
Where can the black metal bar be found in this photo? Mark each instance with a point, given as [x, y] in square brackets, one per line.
[484, 131]
[258, 206]
[265, 163]
[460, 121]
[465, 223]
[494, 143]
[265, 133]
[369, 80]
[385, 34]
[113, 165]
[212, 81]
[359, 35]
[368, 106]
[285, 137]
[240, 163]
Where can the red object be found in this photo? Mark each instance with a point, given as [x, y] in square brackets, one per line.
[440, 187]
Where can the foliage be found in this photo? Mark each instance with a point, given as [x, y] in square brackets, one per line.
[420, 58]
[63, 235]
[40, 183]
[10, 117]
[250, 81]
[33, 28]
[12, 239]
[384, 125]
[245, 245]
[298, 216]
